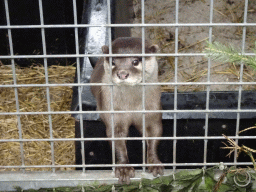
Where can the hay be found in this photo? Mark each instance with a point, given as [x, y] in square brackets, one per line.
[36, 126]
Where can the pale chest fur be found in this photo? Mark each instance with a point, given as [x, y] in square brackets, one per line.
[130, 97]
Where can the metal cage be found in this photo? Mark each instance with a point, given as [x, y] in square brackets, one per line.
[213, 106]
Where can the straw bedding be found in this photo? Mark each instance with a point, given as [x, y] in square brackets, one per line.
[36, 126]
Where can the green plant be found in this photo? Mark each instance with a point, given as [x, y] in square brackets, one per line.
[220, 52]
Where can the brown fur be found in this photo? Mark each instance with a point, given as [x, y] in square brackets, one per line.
[127, 95]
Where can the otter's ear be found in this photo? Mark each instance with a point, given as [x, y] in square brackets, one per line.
[153, 48]
[105, 49]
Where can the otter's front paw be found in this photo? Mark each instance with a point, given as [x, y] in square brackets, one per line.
[156, 170]
[124, 174]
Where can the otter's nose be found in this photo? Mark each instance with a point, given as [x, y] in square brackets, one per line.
[122, 75]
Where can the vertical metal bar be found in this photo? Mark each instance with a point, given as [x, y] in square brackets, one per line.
[208, 87]
[112, 86]
[241, 77]
[46, 80]
[15, 82]
[143, 87]
[79, 87]
[176, 87]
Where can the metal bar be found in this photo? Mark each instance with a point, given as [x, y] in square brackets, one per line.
[78, 67]
[175, 80]
[128, 138]
[241, 78]
[139, 111]
[122, 165]
[208, 87]
[110, 55]
[130, 25]
[46, 81]
[15, 82]
[107, 84]
[111, 87]
[143, 87]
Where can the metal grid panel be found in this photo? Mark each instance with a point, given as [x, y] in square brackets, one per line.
[176, 54]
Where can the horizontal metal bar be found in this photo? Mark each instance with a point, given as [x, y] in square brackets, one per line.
[127, 138]
[109, 55]
[139, 111]
[109, 84]
[67, 176]
[99, 55]
[122, 165]
[130, 25]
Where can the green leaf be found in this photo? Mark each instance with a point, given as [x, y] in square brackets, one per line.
[166, 188]
[241, 189]
[203, 188]
[162, 180]
[196, 184]
[146, 181]
[182, 183]
[150, 189]
[220, 52]
[190, 183]
[128, 188]
[253, 175]
[188, 175]
[209, 182]
[104, 188]
[225, 188]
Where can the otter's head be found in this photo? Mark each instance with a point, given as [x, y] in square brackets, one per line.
[128, 70]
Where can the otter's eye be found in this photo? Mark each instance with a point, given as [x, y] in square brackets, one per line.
[113, 64]
[135, 62]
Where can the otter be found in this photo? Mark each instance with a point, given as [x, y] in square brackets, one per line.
[127, 73]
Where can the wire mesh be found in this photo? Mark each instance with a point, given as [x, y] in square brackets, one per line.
[79, 84]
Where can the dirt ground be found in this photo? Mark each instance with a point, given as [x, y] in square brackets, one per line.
[193, 39]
